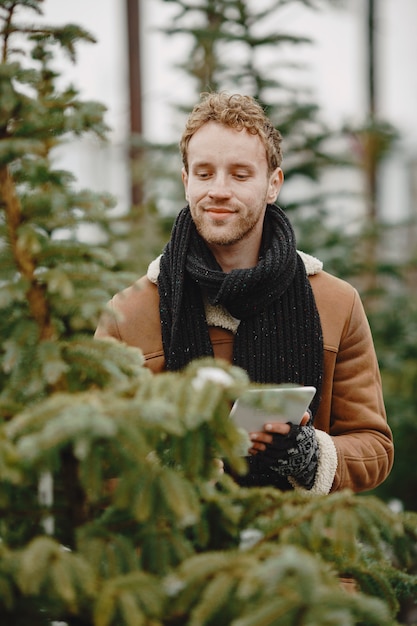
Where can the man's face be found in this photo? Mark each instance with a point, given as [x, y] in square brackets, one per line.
[228, 186]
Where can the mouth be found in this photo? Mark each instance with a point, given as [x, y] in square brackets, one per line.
[218, 212]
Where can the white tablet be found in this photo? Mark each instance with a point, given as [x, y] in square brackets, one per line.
[282, 403]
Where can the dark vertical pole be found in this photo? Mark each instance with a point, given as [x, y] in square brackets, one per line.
[372, 103]
[371, 158]
[135, 95]
[371, 58]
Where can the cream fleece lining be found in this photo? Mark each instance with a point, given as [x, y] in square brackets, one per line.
[326, 469]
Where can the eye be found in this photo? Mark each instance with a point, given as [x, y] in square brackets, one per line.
[241, 175]
[202, 174]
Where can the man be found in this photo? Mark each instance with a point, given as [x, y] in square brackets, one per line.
[230, 283]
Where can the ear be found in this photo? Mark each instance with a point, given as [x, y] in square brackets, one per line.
[184, 177]
[275, 183]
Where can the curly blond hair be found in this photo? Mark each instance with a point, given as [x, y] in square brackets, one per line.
[234, 111]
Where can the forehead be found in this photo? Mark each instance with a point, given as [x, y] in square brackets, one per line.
[214, 142]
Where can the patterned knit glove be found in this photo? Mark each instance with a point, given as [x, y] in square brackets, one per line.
[295, 454]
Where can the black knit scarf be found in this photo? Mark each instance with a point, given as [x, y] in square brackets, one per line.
[279, 337]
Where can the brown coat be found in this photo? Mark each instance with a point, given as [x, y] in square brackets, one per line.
[351, 409]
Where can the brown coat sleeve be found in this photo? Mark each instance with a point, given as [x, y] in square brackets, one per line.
[132, 316]
[352, 409]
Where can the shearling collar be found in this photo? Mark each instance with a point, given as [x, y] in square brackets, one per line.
[218, 315]
[312, 265]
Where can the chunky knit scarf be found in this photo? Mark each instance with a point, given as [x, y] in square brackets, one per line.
[279, 337]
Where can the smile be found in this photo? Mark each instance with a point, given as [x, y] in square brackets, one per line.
[221, 212]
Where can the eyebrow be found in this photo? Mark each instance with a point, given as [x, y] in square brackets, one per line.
[238, 164]
[201, 164]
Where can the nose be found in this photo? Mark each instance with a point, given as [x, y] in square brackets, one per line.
[219, 187]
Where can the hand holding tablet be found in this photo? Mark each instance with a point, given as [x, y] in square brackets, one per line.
[281, 403]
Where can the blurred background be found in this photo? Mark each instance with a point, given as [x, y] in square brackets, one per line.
[337, 77]
[335, 70]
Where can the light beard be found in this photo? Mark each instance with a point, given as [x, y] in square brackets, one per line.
[226, 235]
